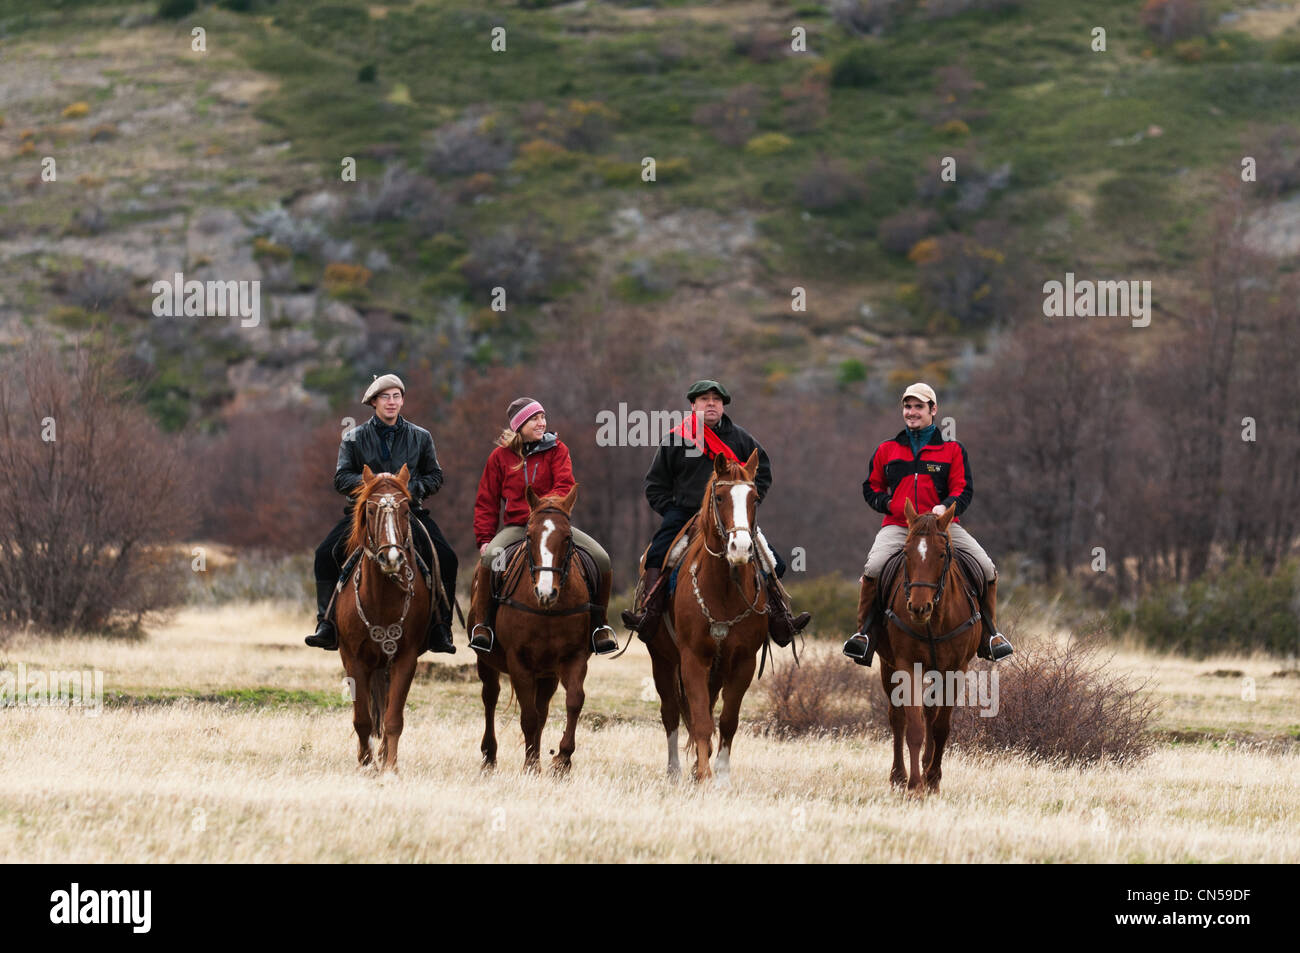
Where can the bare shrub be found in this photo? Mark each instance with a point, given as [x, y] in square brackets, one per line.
[1172, 20]
[761, 44]
[522, 262]
[734, 119]
[473, 143]
[1055, 702]
[829, 184]
[898, 233]
[97, 288]
[864, 16]
[90, 492]
[399, 194]
[944, 9]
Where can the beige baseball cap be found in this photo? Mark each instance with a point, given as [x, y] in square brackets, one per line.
[382, 384]
[921, 392]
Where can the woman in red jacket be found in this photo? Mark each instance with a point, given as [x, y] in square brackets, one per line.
[526, 455]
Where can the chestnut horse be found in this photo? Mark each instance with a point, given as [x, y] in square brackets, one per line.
[543, 636]
[715, 623]
[939, 629]
[383, 612]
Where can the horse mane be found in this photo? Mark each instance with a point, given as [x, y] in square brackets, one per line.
[362, 493]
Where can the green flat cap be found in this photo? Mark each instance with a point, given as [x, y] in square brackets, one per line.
[700, 387]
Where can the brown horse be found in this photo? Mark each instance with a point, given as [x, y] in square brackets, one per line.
[543, 636]
[936, 628]
[716, 622]
[383, 612]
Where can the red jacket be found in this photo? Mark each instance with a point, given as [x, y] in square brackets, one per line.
[940, 473]
[547, 470]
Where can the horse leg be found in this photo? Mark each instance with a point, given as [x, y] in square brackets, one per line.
[491, 680]
[546, 686]
[360, 707]
[733, 693]
[665, 677]
[939, 726]
[897, 774]
[915, 720]
[399, 686]
[573, 676]
[526, 691]
[699, 716]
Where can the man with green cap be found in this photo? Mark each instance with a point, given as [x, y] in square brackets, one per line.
[674, 487]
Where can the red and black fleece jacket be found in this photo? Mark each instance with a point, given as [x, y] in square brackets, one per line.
[940, 473]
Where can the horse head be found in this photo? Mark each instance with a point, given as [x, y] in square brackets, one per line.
[550, 543]
[927, 554]
[729, 507]
[381, 524]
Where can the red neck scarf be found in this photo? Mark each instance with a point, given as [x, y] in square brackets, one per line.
[712, 444]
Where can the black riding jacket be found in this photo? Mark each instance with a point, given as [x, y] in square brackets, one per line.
[675, 479]
[410, 445]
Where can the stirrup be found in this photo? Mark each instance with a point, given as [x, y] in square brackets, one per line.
[606, 645]
[999, 647]
[482, 643]
[858, 647]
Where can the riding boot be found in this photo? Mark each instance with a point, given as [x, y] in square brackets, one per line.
[438, 635]
[781, 626]
[326, 635]
[632, 618]
[602, 636]
[994, 646]
[482, 611]
[861, 645]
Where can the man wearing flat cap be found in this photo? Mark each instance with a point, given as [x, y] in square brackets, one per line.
[919, 467]
[384, 443]
[674, 487]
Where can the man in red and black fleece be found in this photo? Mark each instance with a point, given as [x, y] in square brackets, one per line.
[919, 465]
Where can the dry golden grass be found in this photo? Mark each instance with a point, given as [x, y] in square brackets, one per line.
[261, 778]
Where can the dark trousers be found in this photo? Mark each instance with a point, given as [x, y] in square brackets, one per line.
[675, 517]
[330, 557]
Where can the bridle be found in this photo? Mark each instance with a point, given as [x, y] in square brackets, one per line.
[719, 629]
[514, 573]
[385, 509]
[908, 584]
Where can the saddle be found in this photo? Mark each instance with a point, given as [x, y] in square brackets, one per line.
[972, 576]
[505, 580]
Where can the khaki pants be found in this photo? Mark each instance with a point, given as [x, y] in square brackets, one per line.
[511, 534]
[891, 539]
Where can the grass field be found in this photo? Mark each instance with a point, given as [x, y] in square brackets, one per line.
[222, 738]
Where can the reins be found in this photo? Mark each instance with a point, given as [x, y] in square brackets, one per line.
[929, 638]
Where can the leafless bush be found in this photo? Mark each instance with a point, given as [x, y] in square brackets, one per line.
[1172, 20]
[1055, 702]
[1277, 157]
[90, 493]
[943, 9]
[761, 44]
[97, 288]
[473, 143]
[399, 194]
[830, 183]
[898, 233]
[734, 119]
[522, 262]
[864, 16]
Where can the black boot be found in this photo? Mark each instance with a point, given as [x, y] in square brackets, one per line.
[861, 645]
[645, 622]
[438, 638]
[994, 646]
[781, 626]
[482, 611]
[603, 641]
[326, 635]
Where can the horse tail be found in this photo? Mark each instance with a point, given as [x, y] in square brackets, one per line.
[379, 681]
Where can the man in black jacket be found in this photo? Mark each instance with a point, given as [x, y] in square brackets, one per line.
[674, 487]
[384, 443]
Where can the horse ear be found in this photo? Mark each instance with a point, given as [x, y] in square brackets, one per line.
[910, 512]
[367, 474]
[404, 475]
[719, 464]
[570, 498]
[532, 498]
[946, 518]
[751, 465]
